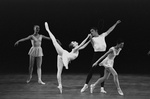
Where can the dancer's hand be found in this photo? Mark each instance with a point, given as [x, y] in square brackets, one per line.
[16, 43]
[94, 64]
[89, 35]
[119, 21]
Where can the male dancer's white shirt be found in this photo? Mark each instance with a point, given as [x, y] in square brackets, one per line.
[99, 43]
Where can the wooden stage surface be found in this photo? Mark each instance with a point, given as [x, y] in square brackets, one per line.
[14, 86]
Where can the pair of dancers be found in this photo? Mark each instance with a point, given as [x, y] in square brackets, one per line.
[107, 62]
[64, 56]
[99, 45]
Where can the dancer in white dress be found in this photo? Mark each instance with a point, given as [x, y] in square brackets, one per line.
[64, 57]
[35, 52]
[108, 64]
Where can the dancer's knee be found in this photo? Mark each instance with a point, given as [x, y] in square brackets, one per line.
[116, 75]
[39, 67]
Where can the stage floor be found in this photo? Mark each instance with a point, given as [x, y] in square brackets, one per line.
[14, 86]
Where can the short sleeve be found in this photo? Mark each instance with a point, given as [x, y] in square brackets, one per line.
[104, 34]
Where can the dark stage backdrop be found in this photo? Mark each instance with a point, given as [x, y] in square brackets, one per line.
[71, 20]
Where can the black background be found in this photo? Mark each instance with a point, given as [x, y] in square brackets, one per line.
[71, 20]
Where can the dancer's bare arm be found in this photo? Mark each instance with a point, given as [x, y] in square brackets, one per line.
[82, 43]
[24, 39]
[91, 40]
[45, 37]
[112, 28]
[118, 51]
[82, 47]
[102, 57]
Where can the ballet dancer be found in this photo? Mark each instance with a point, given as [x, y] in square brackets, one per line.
[99, 46]
[107, 62]
[64, 57]
[35, 52]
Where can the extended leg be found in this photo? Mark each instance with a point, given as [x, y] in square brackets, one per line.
[39, 71]
[100, 80]
[58, 48]
[101, 75]
[31, 65]
[88, 79]
[115, 75]
[59, 72]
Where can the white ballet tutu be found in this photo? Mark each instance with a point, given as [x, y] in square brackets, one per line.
[36, 51]
[107, 62]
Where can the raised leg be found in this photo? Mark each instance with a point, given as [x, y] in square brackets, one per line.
[58, 48]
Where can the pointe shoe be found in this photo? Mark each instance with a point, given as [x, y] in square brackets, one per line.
[92, 88]
[29, 79]
[120, 92]
[102, 90]
[40, 82]
[66, 67]
[84, 88]
[60, 88]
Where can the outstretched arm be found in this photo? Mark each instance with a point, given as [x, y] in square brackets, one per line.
[83, 42]
[45, 37]
[112, 28]
[101, 58]
[24, 39]
[82, 47]
[91, 40]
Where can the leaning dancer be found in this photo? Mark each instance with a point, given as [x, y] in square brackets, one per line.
[35, 52]
[99, 46]
[108, 64]
[64, 57]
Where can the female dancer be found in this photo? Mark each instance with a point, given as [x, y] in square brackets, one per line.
[64, 57]
[35, 52]
[108, 64]
[99, 45]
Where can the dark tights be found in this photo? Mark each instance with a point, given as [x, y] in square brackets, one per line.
[96, 56]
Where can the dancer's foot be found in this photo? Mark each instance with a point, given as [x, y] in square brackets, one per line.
[60, 88]
[120, 91]
[41, 82]
[84, 87]
[29, 79]
[92, 88]
[66, 67]
[102, 90]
